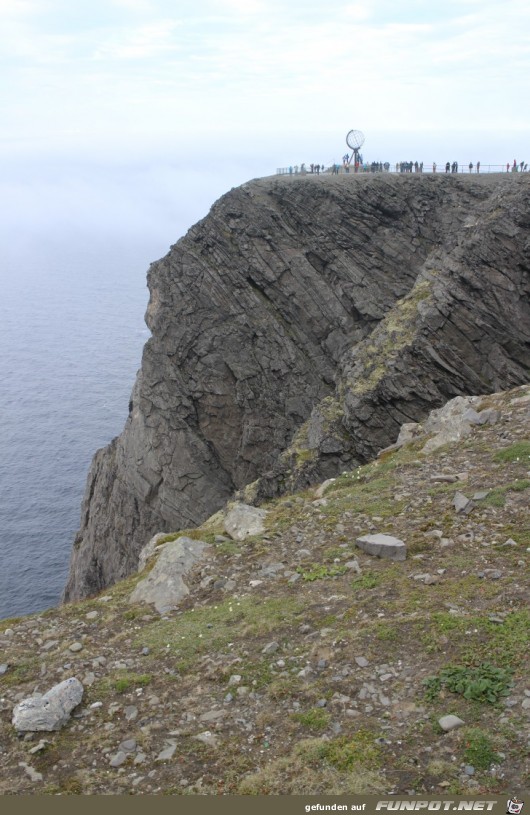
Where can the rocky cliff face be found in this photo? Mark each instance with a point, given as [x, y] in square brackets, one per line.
[293, 331]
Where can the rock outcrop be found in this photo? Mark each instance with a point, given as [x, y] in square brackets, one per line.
[294, 330]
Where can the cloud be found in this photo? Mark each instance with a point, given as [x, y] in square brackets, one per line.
[146, 41]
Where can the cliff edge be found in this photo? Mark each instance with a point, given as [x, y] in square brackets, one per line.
[294, 330]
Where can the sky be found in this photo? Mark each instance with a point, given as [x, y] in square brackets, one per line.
[187, 99]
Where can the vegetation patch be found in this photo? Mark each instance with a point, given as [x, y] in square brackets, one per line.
[520, 451]
[479, 750]
[484, 683]
[319, 571]
[314, 719]
[317, 766]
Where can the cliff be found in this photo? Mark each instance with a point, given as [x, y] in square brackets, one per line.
[293, 331]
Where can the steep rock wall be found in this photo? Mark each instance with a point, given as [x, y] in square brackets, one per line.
[293, 330]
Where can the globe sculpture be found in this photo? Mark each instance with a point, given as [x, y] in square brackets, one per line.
[355, 140]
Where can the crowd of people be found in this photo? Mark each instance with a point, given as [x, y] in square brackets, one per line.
[401, 167]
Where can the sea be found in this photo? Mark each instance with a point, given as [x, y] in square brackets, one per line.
[76, 242]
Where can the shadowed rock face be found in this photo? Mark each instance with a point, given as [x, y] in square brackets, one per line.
[293, 331]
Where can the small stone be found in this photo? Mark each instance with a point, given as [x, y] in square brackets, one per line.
[3, 668]
[118, 759]
[75, 647]
[8, 632]
[362, 662]
[243, 691]
[271, 648]
[89, 679]
[450, 722]
[128, 746]
[145, 652]
[462, 503]
[510, 542]
[131, 712]
[354, 566]
[168, 752]
[383, 546]
[208, 738]
[92, 615]
[30, 771]
[493, 574]
[38, 747]
[469, 769]
[525, 704]
[235, 679]
[214, 715]
[140, 758]
[479, 496]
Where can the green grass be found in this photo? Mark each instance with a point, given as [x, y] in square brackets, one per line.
[315, 719]
[479, 751]
[520, 451]
[319, 571]
[497, 496]
[490, 642]
[205, 629]
[368, 580]
[124, 683]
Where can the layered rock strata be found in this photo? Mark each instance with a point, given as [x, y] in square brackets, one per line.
[294, 330]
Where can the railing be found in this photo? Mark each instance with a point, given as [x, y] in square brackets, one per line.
[439, 169]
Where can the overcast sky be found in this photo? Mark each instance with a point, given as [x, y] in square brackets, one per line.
[134, 116]
[203, 73]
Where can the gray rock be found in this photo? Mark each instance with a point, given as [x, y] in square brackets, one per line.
[164, 586]
[118, 759]
[168, 752]
[462, 503]
[76, 647]
[271, 648]
[214, 715]
[207, 737]
[383, 546]
[319, 492]
[3, 668]
[131, 712]
[354, 566]
[362, 662]
[30, 771]
[52, 710]
[450, 722]
[242, 520]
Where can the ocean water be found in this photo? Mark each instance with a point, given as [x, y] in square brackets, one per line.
[71, 337]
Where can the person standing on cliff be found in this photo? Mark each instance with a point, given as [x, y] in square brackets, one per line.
[470, 166]
[478, 166]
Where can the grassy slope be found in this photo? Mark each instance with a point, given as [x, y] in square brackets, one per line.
[337, 728]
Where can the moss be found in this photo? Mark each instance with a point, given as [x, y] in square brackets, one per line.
[388, 340]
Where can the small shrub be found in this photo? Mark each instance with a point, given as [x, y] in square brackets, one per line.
[479, 750]
[125, 683]
[484, 683]
[319, 571]
[314, 719]
[369, 580]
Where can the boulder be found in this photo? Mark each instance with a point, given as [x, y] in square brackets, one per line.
[242, 520]
[49, 711]
[383, 546]
[164, 586]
